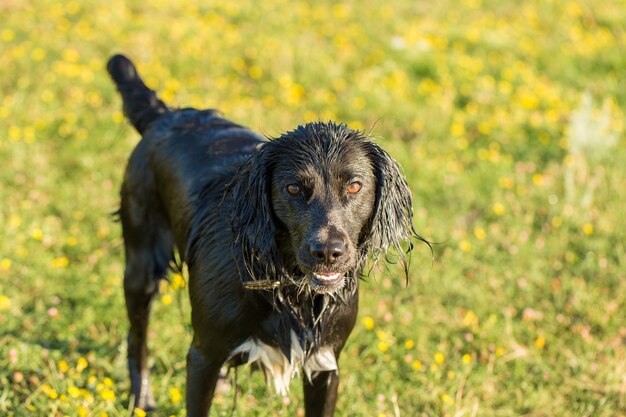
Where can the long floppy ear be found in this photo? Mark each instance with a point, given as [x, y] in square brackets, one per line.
[392, 221]
[252, 219]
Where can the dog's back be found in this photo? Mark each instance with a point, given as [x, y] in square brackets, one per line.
[185, 151]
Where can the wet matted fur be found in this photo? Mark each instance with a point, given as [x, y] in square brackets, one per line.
[275, 234]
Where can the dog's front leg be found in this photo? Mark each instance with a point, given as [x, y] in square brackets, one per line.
[320, 394]
[202, 376]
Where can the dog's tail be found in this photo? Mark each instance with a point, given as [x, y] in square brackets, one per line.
[141, 105]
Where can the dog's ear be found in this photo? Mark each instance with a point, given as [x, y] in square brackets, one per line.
[391, 224]
[252, 219]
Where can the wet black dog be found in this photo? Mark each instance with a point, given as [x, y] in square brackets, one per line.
[275, 235]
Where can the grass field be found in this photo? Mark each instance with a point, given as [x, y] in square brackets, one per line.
[507, 116]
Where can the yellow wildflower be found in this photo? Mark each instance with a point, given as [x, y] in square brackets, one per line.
[49, 391]
[368, 322]
[178, 281]
[465, 246]
[498, 209]
[5, 264]
[73, 392]
[37, 234]
[175, 395]
[60, 262]
[446, 398]
[63, 366]
[5, 302]
[166, 299]
[540, 342]
[81, 364]
[107, 394]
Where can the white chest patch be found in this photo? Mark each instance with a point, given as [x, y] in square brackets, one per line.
[278, 368]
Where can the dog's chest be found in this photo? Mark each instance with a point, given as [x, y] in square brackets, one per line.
[278, 368]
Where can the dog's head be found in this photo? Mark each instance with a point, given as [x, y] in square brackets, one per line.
[311, 205]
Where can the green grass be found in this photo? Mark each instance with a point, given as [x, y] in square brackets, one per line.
[521, 312]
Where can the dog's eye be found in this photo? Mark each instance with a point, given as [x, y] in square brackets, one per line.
[354, 187]
[293, 189]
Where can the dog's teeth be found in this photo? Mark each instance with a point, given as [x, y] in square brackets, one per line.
[326, 277]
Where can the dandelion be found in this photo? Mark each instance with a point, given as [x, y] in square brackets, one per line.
[5, 264]
[139, 412]
[71, 55]
[295, 94]
[446, 398]
[63, 366]
[467, 358]
[383, 346]
[457, 129]
[470, 318]
[38, 54]
[71, 241]
[73, 392]
[498, 209]
[255, 72]
[368, 322]
[175, 395]
[60, 262]
[49, 391]
[7, 35]
[465, 246]
[178, 281]
[102, 232]
[5, 302]
[439, 358]
[479, 233]
[588, 229]
[416, 365]
[505, 182]
[167, 299]
[117, 117]
[107, 394]
[37, 234]
[358, 103]
[409, 344]
[81, 364]
[499, 351]
[82, 411]
[540, 342]
[14, 133]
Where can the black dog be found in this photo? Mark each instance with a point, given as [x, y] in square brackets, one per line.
[275, 235]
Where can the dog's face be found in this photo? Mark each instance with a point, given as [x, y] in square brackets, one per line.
[323, 192]
[314, 203]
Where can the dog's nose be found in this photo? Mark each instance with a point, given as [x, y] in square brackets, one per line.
[327, 252]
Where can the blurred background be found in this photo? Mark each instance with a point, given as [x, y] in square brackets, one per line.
[507, 117]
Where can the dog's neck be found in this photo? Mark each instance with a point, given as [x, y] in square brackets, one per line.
[300, 310]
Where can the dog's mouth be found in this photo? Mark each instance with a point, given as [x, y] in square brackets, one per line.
[327, 282]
